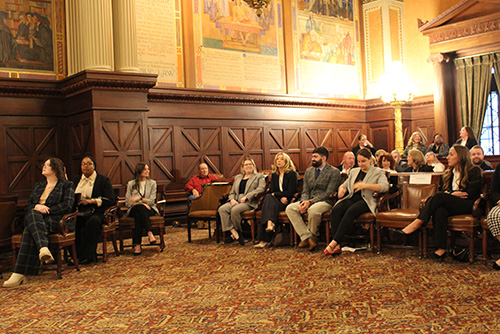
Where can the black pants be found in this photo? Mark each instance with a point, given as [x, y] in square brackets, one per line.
[440, 207]
[271, 207]
[87, 232]
[141, 216]
[344, 214]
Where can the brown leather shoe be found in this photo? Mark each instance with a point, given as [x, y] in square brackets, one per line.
[312, 244]
[304, 243]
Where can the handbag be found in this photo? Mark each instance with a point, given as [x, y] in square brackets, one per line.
[459, 253]
[280, 238]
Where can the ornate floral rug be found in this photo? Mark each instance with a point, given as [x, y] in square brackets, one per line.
[205, 287]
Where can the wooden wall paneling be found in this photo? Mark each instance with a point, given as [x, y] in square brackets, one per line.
[161, 153]
[315, 137]
[198, 142]
[122, 145]
[81, 142]
[28, 143]
[241, 142]
[383, 135]
[347, 138]
[281, 138]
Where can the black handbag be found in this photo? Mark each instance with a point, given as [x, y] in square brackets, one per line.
[459, 253]
[281, 238]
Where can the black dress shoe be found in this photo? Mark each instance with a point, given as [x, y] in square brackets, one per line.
[496, 266]
[241, 240]
[438, 258]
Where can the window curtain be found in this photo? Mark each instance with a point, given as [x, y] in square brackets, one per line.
[495, 59]
[474, 81]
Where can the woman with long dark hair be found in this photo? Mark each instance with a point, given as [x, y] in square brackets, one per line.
[96, 196]
[283, 187]
[467, 137]
[462, 182]
[355, 198]
[49, 202]
[141, 201]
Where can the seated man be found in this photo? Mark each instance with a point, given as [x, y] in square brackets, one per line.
[400, 165]
[347, 162]
[194, 185]
[320, 181]
[477, 157]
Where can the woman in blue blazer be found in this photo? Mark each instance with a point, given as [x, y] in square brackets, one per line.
[283, 187]
[96, 196]
[50, 200]
[141, 201]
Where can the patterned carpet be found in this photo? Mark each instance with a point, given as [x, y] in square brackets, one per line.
[204, 287]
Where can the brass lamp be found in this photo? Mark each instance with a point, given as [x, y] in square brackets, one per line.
[396, 89]
[257, 5]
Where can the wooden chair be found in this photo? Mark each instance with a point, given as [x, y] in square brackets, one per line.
[487, 179]
[205, 207]
[57, 243]
[469, 224]
[126, 224]
[109, 226]
[8, 208]
[413, 197]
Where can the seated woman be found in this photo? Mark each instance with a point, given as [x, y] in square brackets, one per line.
[387, 163]
[50, 200]
[433, 161]
[416, 163]
[493, 218]
[283, 187]
[380, 152]
[141, 201]
[96, 196]
[438, 146]
[415, 143]
[467, 137]
[355, 198]
[241, 198]
[461, 186]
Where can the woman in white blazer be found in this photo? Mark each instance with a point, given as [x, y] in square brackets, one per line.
[141, 199]
[241, 198]
[355, 198]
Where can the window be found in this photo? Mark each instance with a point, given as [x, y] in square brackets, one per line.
[490, 135]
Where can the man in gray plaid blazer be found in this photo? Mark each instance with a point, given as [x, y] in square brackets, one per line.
[320, 180]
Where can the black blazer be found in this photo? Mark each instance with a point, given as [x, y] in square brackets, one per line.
[102, 188]
[289, 185]
[471, 142]
[495, 186]
[474, 184]
[60, 202]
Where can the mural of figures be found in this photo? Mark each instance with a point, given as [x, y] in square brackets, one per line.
[26, 38]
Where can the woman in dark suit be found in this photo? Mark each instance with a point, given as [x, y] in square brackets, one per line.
[355, 198]
[462, 182]
[141, 201]
[467, 137]
[283, 187]
[241, 198]
[50, 200]
[96, 196]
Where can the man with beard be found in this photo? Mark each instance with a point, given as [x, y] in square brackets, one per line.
[477, 157]
[320, 181]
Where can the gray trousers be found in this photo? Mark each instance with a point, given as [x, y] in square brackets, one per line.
[314, 216]
[230, 216]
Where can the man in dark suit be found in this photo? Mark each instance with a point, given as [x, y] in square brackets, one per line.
[400, 165]
[477, 157]
[320, 180]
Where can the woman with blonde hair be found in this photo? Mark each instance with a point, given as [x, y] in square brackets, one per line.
[283, 187]
[432, 160]
[462, 182]
[415, 143]
[241, 198]
[416, 163]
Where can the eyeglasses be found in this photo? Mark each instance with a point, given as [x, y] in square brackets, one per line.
[87, 163]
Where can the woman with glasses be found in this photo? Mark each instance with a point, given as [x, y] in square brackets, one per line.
[96, 196]
[50, 200]
[241, 198]
[141, 201]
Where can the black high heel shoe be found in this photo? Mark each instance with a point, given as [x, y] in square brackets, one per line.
[438, 258]
[403, 233]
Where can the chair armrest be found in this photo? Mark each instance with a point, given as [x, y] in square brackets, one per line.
[112, 214]
[16, 226]
[383, 201]
[477, 212]
[63, 223]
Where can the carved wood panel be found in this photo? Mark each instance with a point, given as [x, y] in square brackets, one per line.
[26, 148]
[346, 139]
[280, 139]
[242, 142]
[315, 137]
[161, 153]
[122, 148]
[81, 140]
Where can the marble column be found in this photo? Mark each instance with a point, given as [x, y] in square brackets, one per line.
[90, 35]
[125, 36]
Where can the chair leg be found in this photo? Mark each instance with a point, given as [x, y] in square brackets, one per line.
[485, 245]
[75, 258]
[120, 236]
[379, 239]
[424, 242]
[209, 230]
[115, 246]
[104, 247]
[58, 260]
[162, 238]
[327, 232]
[252, 229]
[189, 229]
[471, 247]
[372, 236]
